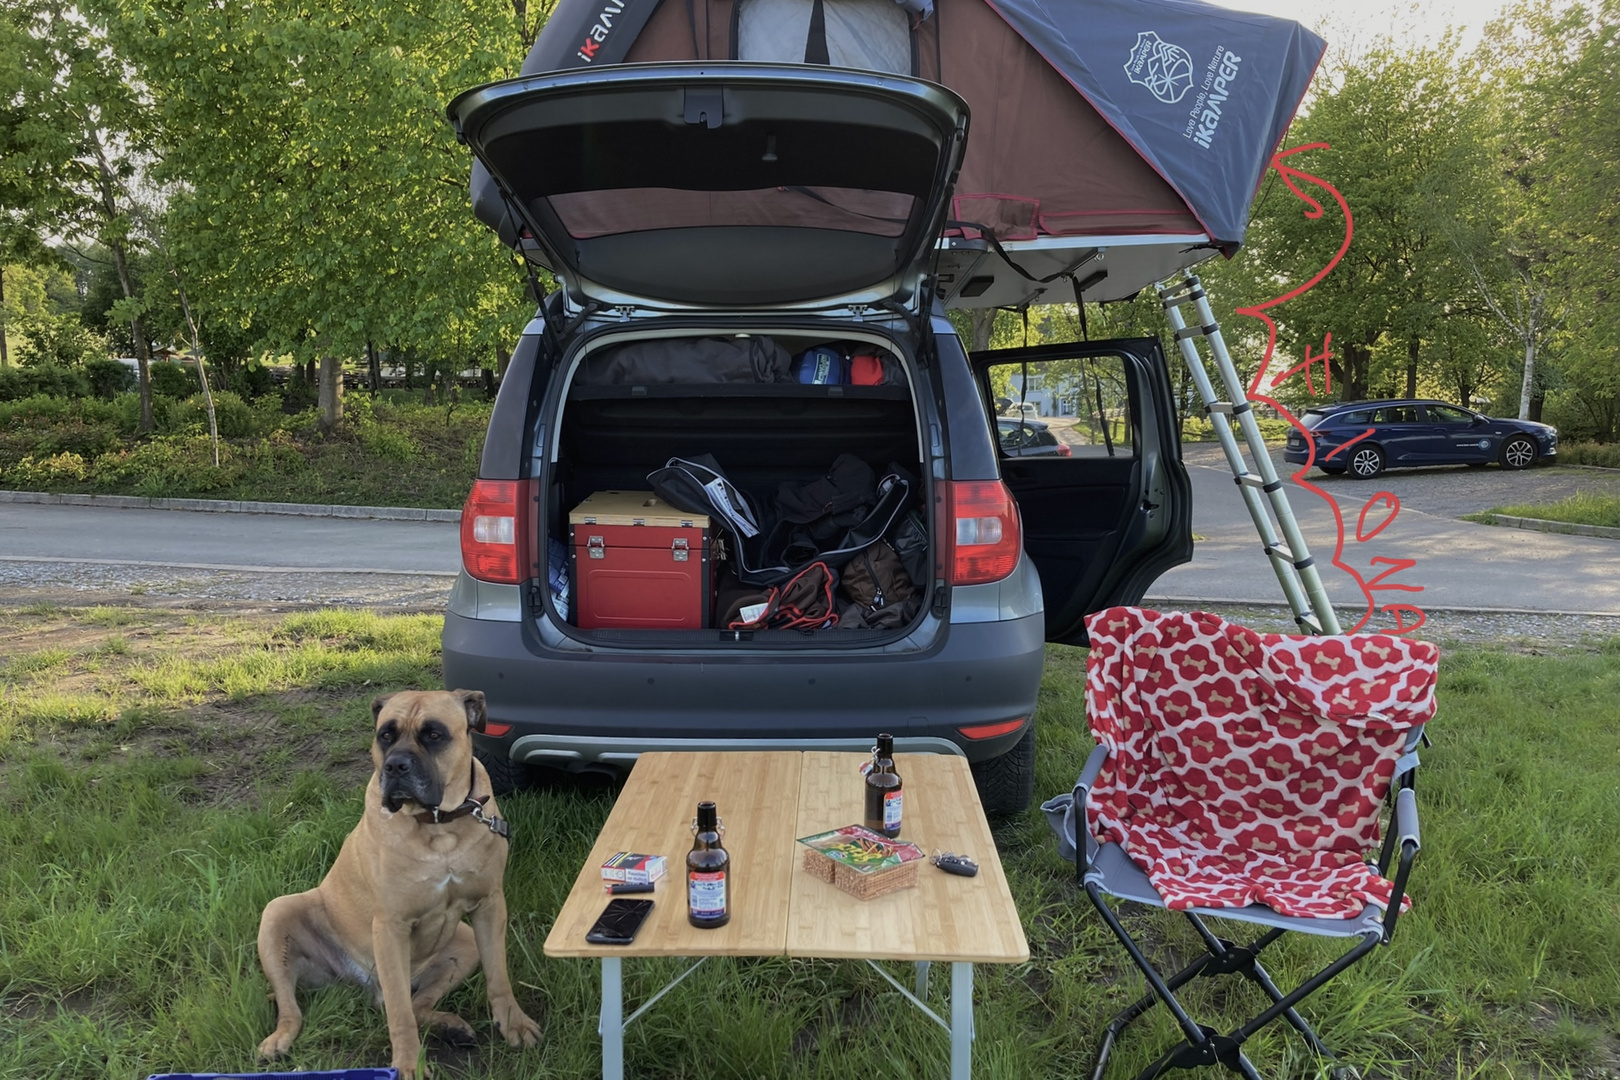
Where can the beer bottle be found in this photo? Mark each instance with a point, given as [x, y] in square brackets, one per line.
[708, 872]
[883, 798]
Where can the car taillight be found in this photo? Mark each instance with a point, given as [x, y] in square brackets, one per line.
[495, 530]
[991, 731]
[980, 532]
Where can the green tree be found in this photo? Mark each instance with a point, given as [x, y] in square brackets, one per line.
[80, 137]
[339, 217]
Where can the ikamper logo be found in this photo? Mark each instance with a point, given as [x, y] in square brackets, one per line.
[1223, 71]
[1165, 69]
[599, 33]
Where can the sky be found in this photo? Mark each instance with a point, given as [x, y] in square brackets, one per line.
[1345, 22]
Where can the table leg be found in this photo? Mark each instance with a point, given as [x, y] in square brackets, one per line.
[612, 1022]
[922, 979]
[961, 1020]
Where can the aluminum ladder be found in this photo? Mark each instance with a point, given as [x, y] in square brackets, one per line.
[1295, 569]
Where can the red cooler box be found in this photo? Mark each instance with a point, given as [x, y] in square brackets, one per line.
[639, 564]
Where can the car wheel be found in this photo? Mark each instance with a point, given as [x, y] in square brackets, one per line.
[1366, 462]
[1519, 452]
[505, 775]
[1007, 783]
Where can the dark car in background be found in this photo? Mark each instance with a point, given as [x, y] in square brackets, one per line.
[1366, 437]
[1027, 438]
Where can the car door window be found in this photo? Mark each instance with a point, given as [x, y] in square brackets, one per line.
[1450, 415]
[1083, 404]
[1397, 414]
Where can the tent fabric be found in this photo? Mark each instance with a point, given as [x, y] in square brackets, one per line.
[1204, 94]
[1089, 117]
[873, 35]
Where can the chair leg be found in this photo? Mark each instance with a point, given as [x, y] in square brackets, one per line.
[1203, 1046]
[1246, 961]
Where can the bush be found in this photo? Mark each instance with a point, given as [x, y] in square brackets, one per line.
[46, 472]
[252, 381]
[173, 380]
[1603, 455]
[1200, 429]
[235, 417]
[54, 380]
[109, 378]
[167, 465]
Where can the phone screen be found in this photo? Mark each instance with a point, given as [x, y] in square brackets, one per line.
[619, 921]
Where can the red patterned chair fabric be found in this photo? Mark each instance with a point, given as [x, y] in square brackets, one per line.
[1246, 767]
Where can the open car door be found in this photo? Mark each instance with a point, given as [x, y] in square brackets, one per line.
[1089, 445]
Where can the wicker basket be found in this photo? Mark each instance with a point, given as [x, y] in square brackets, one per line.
[859, 885]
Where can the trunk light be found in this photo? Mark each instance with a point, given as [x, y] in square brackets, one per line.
[986, 534]
[990, 731]
[495, 531]
[494, 730]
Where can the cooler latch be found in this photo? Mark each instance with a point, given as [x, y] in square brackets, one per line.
[596, 548]
[679, 549]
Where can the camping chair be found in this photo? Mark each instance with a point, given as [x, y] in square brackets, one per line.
[1240, 776]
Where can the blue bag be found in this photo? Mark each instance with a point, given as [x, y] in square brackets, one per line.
[822, 365]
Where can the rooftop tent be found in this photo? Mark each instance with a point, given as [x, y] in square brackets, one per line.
[1112, 143]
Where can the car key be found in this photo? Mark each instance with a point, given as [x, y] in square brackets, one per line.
[952, 863]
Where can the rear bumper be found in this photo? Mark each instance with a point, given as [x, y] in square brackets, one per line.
[579, 708]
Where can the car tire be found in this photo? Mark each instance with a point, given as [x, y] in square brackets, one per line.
[1007, 783]
[1366, 461]
[505, 775]
[1519, 452]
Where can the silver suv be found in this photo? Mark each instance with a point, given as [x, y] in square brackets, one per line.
[800, 206]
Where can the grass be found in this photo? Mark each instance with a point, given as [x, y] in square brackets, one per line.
[1581, 508]
[157, 793]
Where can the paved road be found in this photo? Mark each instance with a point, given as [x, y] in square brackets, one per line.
[1458, 564]
[250, 556]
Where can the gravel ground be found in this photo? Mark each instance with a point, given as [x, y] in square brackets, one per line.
[84, 585]
[78, 585]
[1445, 490]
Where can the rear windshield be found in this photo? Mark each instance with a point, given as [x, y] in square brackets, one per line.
[1312, 418]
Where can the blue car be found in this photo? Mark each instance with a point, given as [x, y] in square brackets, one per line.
[1367, 437]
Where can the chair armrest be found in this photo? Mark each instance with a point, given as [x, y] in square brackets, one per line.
[1084, 845]
[1406, 820]
[1088, 775]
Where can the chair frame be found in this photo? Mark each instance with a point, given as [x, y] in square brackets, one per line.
[1203, 1045]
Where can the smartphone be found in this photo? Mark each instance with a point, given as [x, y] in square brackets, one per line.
[619, 921]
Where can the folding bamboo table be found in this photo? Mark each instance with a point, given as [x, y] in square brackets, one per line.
[766, 801]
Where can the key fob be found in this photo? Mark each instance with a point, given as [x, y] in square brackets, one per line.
[952, 863]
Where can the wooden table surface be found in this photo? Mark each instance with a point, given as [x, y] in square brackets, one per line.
[757, 797]
[769, 799]
[945, 917]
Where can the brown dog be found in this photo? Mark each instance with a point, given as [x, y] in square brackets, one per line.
[429, 851]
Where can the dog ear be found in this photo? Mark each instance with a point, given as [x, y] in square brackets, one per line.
[377, 703]
[473, 702]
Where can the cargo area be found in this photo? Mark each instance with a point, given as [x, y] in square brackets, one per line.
[632, 407]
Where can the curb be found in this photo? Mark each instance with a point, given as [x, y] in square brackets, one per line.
[227, 506]
[1542, 525]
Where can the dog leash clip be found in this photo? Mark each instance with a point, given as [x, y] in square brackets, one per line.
[494, 824]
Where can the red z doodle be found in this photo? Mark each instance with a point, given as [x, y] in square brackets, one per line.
[1383, 502]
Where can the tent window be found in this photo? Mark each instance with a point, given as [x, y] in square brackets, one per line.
[873, 35]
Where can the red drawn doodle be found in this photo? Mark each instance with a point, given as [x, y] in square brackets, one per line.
[1370, 590]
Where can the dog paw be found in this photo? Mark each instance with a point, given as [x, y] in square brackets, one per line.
[516, 1025]
[452, 1029]
[276, 1045]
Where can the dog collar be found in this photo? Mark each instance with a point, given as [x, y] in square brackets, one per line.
[469, 805]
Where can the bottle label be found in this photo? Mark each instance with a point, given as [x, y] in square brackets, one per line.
[891, 810]
[706, 893]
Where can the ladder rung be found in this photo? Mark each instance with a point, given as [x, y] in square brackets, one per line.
[1222, 407]
[1257, 481]
[1308, 623]
[1278, 551]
